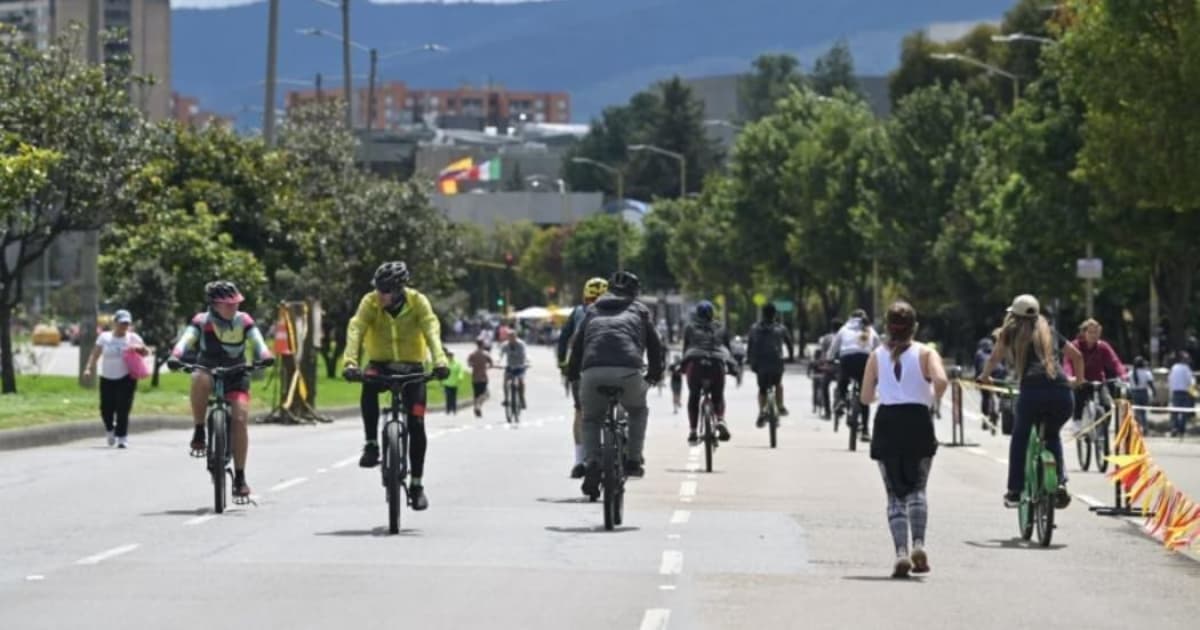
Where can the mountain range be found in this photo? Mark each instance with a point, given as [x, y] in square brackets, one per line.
[600, 51]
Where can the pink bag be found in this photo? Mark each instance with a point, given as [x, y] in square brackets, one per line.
[136, 364]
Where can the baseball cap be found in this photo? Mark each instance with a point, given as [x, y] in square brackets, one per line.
[1025, 306]
[123, 317]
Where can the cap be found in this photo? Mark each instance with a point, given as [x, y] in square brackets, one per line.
[123, 317]
[1025, 306]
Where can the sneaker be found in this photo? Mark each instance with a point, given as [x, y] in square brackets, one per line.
[782, 411]
[241, 489]
[1062, 497]
[920, 561]
[864, 436]
[693, 439]
[1012, 499]
[370, 456]
[902, 567]
[111, 438]
[762, 421]
[478, 412]
[417, 498]
[634, 469]
[722, 431]
[577, 471]
[591, 481]
[122, 442]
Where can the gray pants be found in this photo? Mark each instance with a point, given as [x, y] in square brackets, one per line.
[595, 405]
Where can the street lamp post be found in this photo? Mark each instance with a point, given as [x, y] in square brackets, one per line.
[678, 156]
[986, 66]
[1023, 37]
[620, 177]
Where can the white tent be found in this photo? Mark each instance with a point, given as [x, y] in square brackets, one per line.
[541, 312]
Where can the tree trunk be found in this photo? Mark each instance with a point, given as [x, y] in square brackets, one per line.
[8, 377]
[159, 360]
[1175, 290]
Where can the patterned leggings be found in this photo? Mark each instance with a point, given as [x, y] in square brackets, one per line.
[909, 512]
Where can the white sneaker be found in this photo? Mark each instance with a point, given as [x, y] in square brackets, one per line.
[112, 438]
[122, 442]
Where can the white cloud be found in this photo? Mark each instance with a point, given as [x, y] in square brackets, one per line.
[947, 31]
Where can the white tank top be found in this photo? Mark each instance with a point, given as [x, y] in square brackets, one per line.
[911, 388]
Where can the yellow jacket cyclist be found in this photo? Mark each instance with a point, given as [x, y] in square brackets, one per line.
[398, 330]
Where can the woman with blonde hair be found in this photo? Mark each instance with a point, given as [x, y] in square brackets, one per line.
[910, 380]
[1044, 396]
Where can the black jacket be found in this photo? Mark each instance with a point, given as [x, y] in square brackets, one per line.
[706, 340]
[616, 332]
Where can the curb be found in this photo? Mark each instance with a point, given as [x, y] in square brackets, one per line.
[63, 432]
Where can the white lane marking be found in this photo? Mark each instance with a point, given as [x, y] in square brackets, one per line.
[321, 471]
[666, 587]
[673, 536]
[691, 476]
[345, 462]
[487, 427]
[685, 499]
[436, 434]
[284, 485]
[655, 619]
[680, 517]
[105, 555]
[34, 578]
[687, 489]
[1092, 501]
[204, 518]
[975, 450]
[672, 563]
[1000, 460]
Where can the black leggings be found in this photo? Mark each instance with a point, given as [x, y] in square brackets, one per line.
[116, 399]
[697, 373]
[413, 395]
[853, 366]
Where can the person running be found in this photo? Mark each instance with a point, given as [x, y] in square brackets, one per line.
[852, 346]
[450, 385]
[592, 290]
[480, 361]
[764, 350]
[706, 359]
[1026, 341]
[908, 379]
[117, 386]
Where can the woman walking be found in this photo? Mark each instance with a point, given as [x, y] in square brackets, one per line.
[117, 386]
[909, 379]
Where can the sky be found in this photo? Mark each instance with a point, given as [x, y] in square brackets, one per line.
[220, 4]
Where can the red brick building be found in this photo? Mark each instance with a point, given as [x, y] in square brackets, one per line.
[186, 111]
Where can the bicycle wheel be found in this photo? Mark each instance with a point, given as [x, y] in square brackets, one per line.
[515, 400]
[709, 435]
[773, 422]
[1102, 447]
[852, 424]
[837, 420]
[1083, 450]
[392, 473]
[619, 499]
[218, 448]
[609, 486]
[1025, 516]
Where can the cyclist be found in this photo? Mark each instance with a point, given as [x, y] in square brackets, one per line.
[983, 351]
[398, 329]
[517, 354]
[738, 348]
[607, 351]
[825, 367]
[592, 290]
[676, 370]
[1100, 363]
[910, 380]
[766, 338]
[706, 357]
[1027, 342]
[218, 338]
[852, 346]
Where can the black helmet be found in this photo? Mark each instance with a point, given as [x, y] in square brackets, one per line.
[390, 276]
[222, 292]
[624, 283]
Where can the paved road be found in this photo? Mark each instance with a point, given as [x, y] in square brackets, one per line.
[796, 537]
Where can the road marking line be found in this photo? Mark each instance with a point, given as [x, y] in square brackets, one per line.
[673, 536]
[685, 499]
[487, 427]
[111, 553]
[345, 462]
[691, 476]
[680, 517]
[975, 450]
[321, 471]
[666, 587]
[687, 489]
[287, 484]
[655, 619]
[1000, 460]
[200, 519]
[436, 434]
[34, 578]
[672, 562]
[1092, 501]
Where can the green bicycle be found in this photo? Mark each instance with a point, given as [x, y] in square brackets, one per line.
[1036, 510]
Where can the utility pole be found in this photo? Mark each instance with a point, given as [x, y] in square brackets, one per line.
[89, 253]
[1089, 286]
[367, 143]
[349, 79]
[272, 66]
[320, 94]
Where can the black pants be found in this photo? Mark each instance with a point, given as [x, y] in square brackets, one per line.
[413, 395]
[853, 366]
[116, 399]
[697, 372]
[451, 399]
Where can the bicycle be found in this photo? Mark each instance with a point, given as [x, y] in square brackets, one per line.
[512, 395]
[1096, 438]
[218, 450]
[852, 404]
[614, 436]
[708, 424]
[1036, 509]
[394, 465]
[771, 411]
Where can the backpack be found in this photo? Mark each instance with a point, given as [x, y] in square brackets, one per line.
[767, 342]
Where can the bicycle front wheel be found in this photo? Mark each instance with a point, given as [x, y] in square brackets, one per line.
[1083, 450]
[218, 447]
[1102, 447]
[773, 425]
[393, 457]
[709, 437]
[852, 420]
[610, 491]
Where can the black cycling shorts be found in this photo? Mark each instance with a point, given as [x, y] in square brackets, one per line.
[767, 380]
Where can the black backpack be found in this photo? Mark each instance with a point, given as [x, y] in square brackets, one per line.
[767, 342]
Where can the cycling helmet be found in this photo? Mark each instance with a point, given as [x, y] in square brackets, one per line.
[624, 283]
[704, 311]
[390, 276]
[222, 292]
[594, 289]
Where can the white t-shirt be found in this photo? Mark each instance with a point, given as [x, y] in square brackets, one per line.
[1180, 378]
[112, 353]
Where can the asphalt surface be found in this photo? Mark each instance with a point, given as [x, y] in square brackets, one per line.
[93, 537]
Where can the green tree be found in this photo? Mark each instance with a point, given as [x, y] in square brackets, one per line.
[149, 292]
[773, 77]
[920, 69]
[542, 264]
[598, 243]
[89, 141]
[834, 70]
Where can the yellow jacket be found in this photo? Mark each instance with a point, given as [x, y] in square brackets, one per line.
[410, 337]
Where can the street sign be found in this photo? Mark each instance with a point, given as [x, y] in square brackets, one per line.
[759, 299]
[785, 306]
[1089, 268]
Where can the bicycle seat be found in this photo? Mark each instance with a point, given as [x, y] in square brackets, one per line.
[611, 391]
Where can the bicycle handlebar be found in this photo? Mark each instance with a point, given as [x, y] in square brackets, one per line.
[389, 379]
[217, 372]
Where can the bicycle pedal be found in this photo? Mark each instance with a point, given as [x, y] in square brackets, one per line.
[195, 452]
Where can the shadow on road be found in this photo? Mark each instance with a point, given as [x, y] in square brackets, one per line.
[193, 512]
[563, 500]
[379, 532]
[912, 579]
[1012, 543]
[699, 470]
[595, 529]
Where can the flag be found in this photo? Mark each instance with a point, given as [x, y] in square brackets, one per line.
[488, 171]
[447, 179]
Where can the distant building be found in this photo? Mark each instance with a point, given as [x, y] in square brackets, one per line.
[185, 110]
[397, 105]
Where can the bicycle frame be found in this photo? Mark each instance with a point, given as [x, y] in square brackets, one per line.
[1041, 482]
